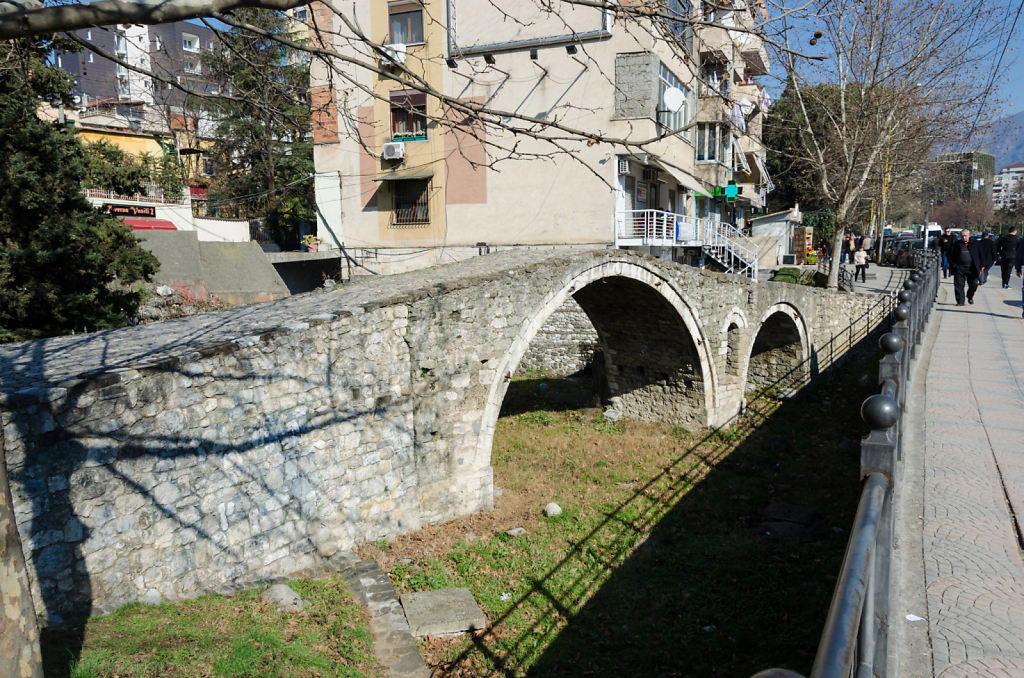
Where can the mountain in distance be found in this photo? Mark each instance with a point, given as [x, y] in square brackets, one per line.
[1004, 139]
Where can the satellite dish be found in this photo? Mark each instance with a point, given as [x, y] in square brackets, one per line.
[673, 99]
[77, 99]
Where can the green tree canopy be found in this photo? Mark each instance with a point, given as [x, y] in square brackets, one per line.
[59, 257]
[263, 149]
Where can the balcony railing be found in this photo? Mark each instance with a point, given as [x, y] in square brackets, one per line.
[137, 197]
[657, 228]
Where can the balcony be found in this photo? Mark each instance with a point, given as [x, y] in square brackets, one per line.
[637, 228]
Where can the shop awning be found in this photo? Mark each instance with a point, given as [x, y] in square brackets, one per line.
[686, 180]
[406, 175]
[140, 224]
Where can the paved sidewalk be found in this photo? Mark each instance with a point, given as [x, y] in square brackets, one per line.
[962, 568]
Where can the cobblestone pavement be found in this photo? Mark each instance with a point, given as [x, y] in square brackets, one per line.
[973, 488]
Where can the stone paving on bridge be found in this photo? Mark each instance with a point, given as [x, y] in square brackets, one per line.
[970, 480]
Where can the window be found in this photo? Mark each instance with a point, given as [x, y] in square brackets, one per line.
[209, 166]
[159, 43]
[60, 62]
[410, 202]
[408, 115]
[677, 22]
[406, 22]
[122, 70]
[88, 35]
[122, 88]
[191, 66]
[120, 43]
[713, 143]
[671, 120]
[189, 43]
[88, 57]
[299, 14]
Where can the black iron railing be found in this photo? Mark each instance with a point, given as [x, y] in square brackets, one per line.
[854, 641]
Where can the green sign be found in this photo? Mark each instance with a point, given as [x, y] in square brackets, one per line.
[729, 192]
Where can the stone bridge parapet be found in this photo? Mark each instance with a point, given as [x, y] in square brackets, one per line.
[206, 453]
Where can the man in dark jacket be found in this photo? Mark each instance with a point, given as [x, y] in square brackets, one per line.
[1007, 247]
[965, 261]
[945, 240]
[1019, 262]
[988, 256]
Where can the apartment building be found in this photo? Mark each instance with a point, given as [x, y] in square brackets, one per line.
[170, 51]
[1008, 189]
[968, 175]
[654, 144]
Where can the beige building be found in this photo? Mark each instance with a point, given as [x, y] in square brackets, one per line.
[441, 153]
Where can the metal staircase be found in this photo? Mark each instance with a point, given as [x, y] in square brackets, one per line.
[735, 252]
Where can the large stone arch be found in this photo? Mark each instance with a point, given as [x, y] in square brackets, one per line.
[780, 349]
[621, 275]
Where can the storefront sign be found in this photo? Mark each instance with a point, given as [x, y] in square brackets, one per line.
[128, 210]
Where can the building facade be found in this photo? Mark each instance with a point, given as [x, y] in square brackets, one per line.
[968, 176]
[439, 152]
[1008, 190]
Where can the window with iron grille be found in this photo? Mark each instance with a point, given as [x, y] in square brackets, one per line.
[408, 115]
[411, 203]
[406, 22]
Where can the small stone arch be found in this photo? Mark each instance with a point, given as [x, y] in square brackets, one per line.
[615, 273]
[780, 350]
[732, 343]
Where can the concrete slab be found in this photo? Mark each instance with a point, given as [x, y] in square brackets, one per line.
[443, 612]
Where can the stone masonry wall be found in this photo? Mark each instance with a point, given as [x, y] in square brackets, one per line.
[564, 345]
[206, 453]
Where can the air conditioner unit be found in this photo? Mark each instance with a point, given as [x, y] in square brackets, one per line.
[789, 260]
[394, 55]
[394, 150]
[624, 167]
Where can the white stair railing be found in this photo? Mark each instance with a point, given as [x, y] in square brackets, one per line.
[729, 247]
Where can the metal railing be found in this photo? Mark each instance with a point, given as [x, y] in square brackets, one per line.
[156, 196]
[846, 280]
[655, 227]
[725, 243]
[854, 641]
[735, 251]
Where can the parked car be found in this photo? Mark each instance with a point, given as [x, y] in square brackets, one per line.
[902, 253]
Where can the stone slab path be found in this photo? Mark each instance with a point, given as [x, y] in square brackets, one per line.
[969, 481]
[393, 644]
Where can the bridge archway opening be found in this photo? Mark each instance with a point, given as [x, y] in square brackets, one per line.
[778, 355]
[654, 364]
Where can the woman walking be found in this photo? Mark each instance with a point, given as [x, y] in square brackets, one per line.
[860, 258]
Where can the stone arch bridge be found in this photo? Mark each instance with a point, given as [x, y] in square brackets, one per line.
[204, 453]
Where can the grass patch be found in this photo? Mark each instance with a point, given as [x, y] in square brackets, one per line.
[237, 635]
[658, 565]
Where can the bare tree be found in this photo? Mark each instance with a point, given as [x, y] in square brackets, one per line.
[902, 77]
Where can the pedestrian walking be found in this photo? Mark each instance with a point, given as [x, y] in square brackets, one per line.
[988, 256]
[945, 242]
[866, 243]
[844, 251]
[1019, 262]
[1007, 248]
[965, 263]
[860, 259]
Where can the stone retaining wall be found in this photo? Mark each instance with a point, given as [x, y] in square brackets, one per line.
[564, 345]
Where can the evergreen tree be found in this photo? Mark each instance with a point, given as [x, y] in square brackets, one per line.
[263, 150]
[59, 257]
